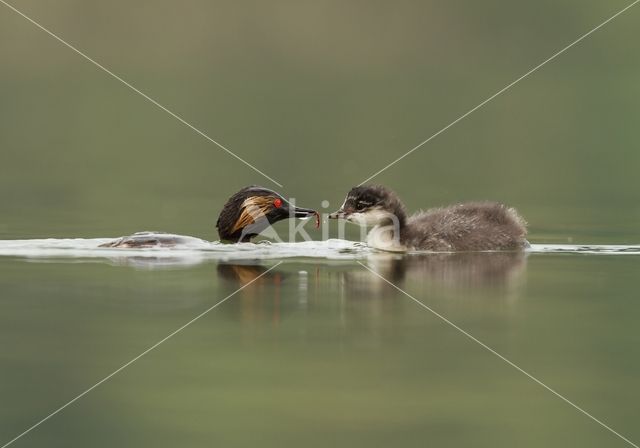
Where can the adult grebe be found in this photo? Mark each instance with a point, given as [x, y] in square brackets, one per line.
[245, 214]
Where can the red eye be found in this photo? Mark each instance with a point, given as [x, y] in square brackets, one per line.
[277, 203]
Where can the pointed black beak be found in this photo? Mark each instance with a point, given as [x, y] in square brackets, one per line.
[300, 212]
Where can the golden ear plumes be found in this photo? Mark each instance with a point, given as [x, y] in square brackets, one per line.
[253, 208]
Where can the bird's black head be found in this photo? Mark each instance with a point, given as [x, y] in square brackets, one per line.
[370, 205]
[253, 209]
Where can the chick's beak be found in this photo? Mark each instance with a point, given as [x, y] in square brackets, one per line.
[338, 214]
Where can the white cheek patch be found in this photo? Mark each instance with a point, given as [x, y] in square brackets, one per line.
[371, 217]
[357, 218]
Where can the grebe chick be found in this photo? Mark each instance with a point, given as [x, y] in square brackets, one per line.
[475, 226]
[245, 214]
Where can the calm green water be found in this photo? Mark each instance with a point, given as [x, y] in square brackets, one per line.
[321, 352]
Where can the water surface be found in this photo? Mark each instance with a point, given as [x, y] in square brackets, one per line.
[315, 349]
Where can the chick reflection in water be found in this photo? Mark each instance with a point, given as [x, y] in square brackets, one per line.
[457, 272]
[270, 295]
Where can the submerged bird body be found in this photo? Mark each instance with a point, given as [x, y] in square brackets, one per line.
[142, 240]
[245, 214]
[476, 226]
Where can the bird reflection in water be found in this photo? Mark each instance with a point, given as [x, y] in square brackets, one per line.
[489, 271]
[260, 298]
[498, 275]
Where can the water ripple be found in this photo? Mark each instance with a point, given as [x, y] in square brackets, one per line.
[602, 249]
[193, 250]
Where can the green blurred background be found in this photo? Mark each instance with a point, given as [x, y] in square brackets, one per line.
[319, 95]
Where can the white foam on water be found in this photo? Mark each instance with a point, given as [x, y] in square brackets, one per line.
[192, 250]
[189, 248]
[595, 249]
